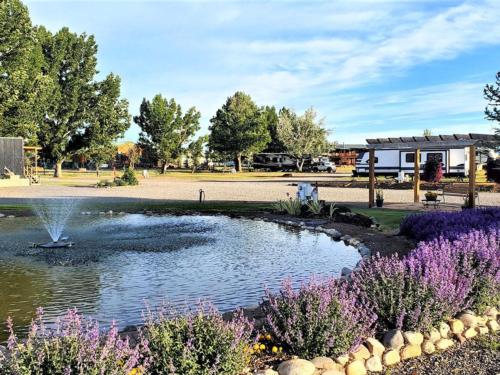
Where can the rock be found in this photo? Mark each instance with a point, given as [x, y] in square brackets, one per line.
[360, 353]
[323, 363]
[10, 216]
[490, 312]
[444, 329]
[493, 325]
[375, 347]
[334, 372]
[456, 326]
[342, 360]
[364, 251]
[482, 320]
[468, 320]
[391, 357]
[356, 368]
[102, 213]
[482, 330]
[411, 351]
[470, 333]
[413, 338]
[345, 271]
[433, 335]
[393, 339]
[266, 372]
[428, 347]
[444, 344]
[296, 367]
[374, 364]
[460, 337]
[2, 215]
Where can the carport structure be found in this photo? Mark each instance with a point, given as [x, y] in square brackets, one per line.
[416, 144]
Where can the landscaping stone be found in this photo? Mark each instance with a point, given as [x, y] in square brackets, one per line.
[468, 320]
[470, 333]
[456, 326]
[364, 251]
[296, 367]
[491, 313]
[428, 347]
[413, 338]
[267, 372]
[433, 335]
[482, 330]
[374, 364]
[461, 339]
[342, 360]
[393, 339]
[482, 320]
[444, 344]
[411, 351]
[493, 325]
[391, 357]
[323, 363]
[334, 372]
[444, 329]
[375, 347]
[10, 216]
[356, 368]
[361, 353]
[345, 271]
[2, 215]
[337, 368]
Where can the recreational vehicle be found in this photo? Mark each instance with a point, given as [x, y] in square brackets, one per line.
[395, 155]
[275, 161]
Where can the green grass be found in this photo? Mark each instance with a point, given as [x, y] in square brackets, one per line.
[14, 207]
[387, 218]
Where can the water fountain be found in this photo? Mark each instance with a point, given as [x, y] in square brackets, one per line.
[54, 214]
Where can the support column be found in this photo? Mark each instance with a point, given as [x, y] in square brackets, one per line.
[371, 181]
[416, 177]
[472, 176]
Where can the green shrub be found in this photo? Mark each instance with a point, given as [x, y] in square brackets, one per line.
[129, 177]
[106, 183]
[315, 207]
[198, 343]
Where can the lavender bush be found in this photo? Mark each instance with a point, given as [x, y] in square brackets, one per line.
[74, 346]
[323, 317]
[198, 343]
[451, 225]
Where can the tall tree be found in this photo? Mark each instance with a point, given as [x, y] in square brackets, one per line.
[303, 136]
[492, 95]
[108, 119]
[196, 150]
[165, 129]
[271, 119]
[70, 60]
[238, 129]
[23, 87]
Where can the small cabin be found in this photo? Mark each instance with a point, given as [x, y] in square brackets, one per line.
[18, 163]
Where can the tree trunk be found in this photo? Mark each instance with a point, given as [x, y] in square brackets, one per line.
[164, 167]
[97, 170]
[58, 169]
[237, 163]
[300, 164]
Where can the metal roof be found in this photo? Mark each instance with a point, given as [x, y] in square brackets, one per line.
[433, 141]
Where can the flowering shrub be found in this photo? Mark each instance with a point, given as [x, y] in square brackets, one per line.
[451, 225]
[74, 346]
[433, 170]
[321, 318]
[198, 343]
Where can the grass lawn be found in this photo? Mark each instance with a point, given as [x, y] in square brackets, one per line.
[387, 218]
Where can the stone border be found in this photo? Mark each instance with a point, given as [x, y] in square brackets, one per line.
[396, 346]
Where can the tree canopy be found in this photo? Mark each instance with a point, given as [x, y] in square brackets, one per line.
[238, 129]
[165, 129]
[492, 95]
[303, 136]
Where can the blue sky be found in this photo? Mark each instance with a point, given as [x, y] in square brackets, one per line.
[370, 68]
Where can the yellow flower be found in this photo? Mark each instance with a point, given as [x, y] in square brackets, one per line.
[135, 371]
[262, 347]
[256, 346]
[275, 349]
[268, 336]
[281, 349]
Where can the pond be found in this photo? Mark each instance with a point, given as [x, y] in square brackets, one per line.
[119, 263]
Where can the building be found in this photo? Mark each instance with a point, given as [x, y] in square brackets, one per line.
[17, 162]
[346, 154]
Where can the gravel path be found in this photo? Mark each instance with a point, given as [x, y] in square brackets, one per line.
[253, 190]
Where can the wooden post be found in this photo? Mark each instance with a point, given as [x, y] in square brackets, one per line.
[416, 177]
[472, 176]
[371, 182]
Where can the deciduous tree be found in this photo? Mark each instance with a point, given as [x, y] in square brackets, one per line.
[165, 129]
[238, 129]
[196, 150]
[492, 95]
[303, 136]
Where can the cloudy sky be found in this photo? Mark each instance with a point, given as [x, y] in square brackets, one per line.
[370, 68]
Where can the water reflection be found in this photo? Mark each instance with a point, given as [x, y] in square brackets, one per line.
[120, 262]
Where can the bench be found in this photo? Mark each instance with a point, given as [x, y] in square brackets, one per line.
[460, 190]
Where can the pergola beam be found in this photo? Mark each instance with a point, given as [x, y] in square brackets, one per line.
[472, 176]
[371, 182]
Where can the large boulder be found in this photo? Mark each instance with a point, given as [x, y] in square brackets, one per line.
[360, 353]
[375, 347]
[296, 367]
[393, 339]
[323, 363]
[413, 338]
[391, 357]
[374, 364]
[411, 351]
[356, 368]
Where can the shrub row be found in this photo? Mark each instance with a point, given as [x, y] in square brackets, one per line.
[450, 225]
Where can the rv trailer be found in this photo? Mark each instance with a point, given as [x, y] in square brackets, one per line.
[275, 161]
[394, 155]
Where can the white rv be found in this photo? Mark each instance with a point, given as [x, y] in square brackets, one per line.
[396, 155]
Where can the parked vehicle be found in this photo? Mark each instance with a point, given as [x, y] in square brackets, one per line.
[324, 166]
[275, 161]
